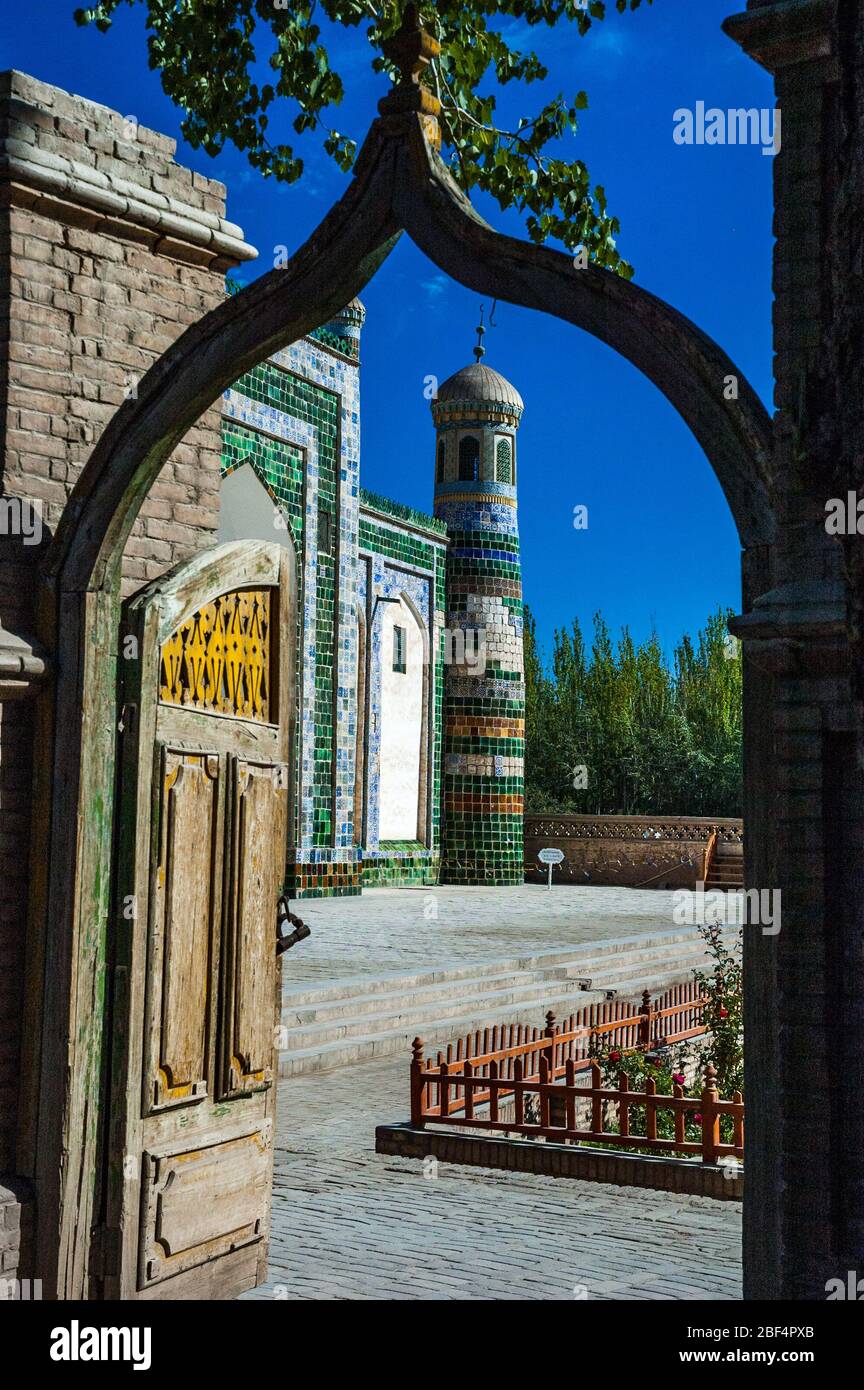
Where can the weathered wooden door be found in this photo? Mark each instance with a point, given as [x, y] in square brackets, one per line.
[208, 667]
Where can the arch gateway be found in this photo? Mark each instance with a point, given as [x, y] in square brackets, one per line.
[73, 975]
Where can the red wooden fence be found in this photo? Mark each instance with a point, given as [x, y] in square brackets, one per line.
[537, 1069]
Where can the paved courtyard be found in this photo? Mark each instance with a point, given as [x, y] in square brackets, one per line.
[396, 930]
[349, 1224]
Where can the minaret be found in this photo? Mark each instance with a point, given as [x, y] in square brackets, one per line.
[477, 414]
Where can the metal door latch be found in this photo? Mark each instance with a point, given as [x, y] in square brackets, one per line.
[285, 939]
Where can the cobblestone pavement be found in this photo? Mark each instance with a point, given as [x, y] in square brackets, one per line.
[349, 1224]
[389, 930]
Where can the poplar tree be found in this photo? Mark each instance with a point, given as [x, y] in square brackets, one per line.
[657, 737]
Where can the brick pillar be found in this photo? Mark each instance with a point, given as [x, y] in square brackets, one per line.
[804, 988]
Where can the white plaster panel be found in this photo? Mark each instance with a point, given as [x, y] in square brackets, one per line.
[401, 726]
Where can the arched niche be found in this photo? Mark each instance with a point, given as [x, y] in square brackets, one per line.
[361, 732]
[404, 734]
[249, 511]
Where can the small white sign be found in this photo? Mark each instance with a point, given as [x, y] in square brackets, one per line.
[550, 856]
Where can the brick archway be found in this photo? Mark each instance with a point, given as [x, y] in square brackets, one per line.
[400, 184]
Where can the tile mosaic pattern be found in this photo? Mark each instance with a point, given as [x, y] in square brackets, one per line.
[484, 713]
[296, 419]
[372, 502]
[398, 862]
[395, 561]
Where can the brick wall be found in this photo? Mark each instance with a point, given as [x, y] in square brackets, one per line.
[97, 294]
[15, 780]
[108, 251]
[10, 1238]
[554, 1160]
[804, 1001]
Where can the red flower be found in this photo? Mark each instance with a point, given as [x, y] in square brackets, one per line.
[678, 1077]
[724, 1013]
[698, 1117]
[614, 1056]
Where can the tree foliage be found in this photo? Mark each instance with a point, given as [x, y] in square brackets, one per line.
[722, 987]
[654, 738]
[213, 54]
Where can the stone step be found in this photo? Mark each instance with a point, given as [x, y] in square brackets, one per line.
[327, 1056]
[342, 1021]
[584, 957]
[530, 999]
[604, 972]
[416, 996]
[448, 996]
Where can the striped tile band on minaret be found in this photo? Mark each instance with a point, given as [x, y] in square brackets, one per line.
[477, 414]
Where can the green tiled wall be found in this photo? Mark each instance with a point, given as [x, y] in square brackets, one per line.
[280, 466]
[408, 548]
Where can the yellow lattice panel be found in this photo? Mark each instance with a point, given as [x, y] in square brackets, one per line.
[219, 661]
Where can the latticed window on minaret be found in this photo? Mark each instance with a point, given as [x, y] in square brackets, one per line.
[503, 469]
[469, 459]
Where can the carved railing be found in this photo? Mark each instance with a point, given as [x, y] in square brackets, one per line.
[694, 829]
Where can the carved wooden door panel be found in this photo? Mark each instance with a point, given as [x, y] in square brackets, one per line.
[207, 732]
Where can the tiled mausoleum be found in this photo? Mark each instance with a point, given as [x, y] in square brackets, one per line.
[410, 733]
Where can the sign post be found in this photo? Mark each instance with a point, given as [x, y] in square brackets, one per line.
[550, 857]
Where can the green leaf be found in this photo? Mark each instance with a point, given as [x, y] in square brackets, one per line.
[208, 50]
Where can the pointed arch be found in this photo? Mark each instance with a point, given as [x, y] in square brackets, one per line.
[400, 183]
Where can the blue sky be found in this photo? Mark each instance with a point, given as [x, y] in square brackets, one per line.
[660, 549]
